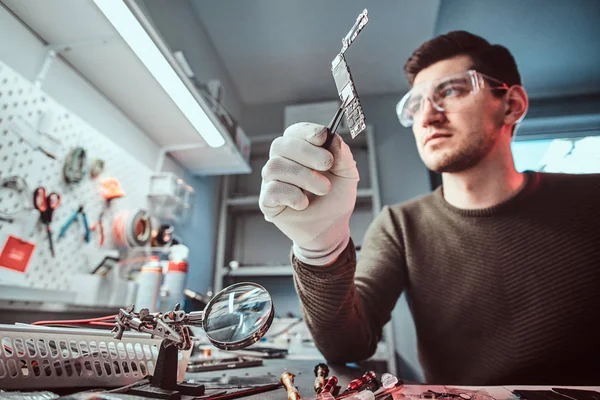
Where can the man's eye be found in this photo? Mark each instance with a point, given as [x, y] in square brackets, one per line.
[414, 106]
[451, 91]
[448, 92]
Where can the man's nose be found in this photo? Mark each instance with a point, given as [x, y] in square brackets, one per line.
[430, 114]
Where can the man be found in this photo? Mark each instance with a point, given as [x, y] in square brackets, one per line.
[501, 268]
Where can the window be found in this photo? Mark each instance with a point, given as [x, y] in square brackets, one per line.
[567, 155]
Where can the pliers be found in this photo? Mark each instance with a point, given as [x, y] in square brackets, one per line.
[72, 218]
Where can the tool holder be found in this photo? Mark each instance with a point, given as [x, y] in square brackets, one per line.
[33, 357]
[163, 383]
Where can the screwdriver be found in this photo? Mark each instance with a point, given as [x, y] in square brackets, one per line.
[287, 378]
[321, 372]
[358, 383]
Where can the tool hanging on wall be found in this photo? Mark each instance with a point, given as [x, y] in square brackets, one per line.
[110, 189]
[75, 165]
[46, 203]
[71, 219]
[17, 184]
[100, 226]
[96, 168]
[344, 83]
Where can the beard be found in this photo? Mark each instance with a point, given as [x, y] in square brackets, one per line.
[459, 159]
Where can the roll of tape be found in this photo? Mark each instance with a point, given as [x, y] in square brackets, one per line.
[138, 228]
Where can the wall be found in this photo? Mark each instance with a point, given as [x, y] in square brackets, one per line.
[198, 231]
[25, 53]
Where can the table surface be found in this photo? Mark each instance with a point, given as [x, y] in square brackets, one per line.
[272, 369]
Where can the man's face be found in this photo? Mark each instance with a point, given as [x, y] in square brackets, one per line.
[457, 141]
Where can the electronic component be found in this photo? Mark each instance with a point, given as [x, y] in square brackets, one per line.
[345, 85]
[321, 372]
[358, 383]
[330, 385]
[287, 378]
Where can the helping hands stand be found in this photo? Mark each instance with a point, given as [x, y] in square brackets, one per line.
[163, 383]
[176, 336]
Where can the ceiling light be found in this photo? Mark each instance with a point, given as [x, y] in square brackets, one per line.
[119, 15]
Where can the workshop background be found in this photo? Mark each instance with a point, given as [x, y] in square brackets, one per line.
[263, 60]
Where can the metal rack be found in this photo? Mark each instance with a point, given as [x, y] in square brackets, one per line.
[33, 357]
[260, 249]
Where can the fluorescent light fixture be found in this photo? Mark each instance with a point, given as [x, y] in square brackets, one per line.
[121, 17]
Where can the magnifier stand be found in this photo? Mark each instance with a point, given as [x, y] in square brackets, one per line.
[163, 384]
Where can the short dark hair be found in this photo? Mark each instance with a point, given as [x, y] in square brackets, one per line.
[490, 59]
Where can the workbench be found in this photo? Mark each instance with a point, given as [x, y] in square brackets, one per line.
[271, 371]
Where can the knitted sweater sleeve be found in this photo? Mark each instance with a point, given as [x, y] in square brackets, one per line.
[346, 304]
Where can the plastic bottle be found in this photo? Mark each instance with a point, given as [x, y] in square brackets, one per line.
[175, 277]
[149, 281]
[175, 283]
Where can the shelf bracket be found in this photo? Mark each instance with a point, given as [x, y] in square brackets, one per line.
[52, 51]
[162, 154]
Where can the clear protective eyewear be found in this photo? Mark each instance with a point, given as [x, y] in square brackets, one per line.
[444, 94]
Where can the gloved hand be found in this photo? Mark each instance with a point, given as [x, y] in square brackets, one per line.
[309, 192]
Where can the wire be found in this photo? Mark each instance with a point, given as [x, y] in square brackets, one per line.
[102, 324]
[75, 321]
[284, 330]
[17, 184]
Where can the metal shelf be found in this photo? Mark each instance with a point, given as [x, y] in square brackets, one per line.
[262, 270]
[365, 198]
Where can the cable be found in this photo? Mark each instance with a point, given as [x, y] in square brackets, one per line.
[284, 330]
[75, 321]
[19, 185]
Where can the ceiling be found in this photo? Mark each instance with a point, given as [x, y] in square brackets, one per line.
[281, 51]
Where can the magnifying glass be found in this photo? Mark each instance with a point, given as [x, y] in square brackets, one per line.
[236, 317]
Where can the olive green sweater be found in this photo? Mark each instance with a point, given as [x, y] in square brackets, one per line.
[504, 295]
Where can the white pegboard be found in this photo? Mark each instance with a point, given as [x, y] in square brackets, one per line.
[20, 99]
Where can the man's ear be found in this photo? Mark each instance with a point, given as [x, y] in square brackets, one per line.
[516, 105]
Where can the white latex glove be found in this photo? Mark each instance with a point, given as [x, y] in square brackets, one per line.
[309, 192]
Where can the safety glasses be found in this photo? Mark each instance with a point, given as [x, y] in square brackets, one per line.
[445, 94]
